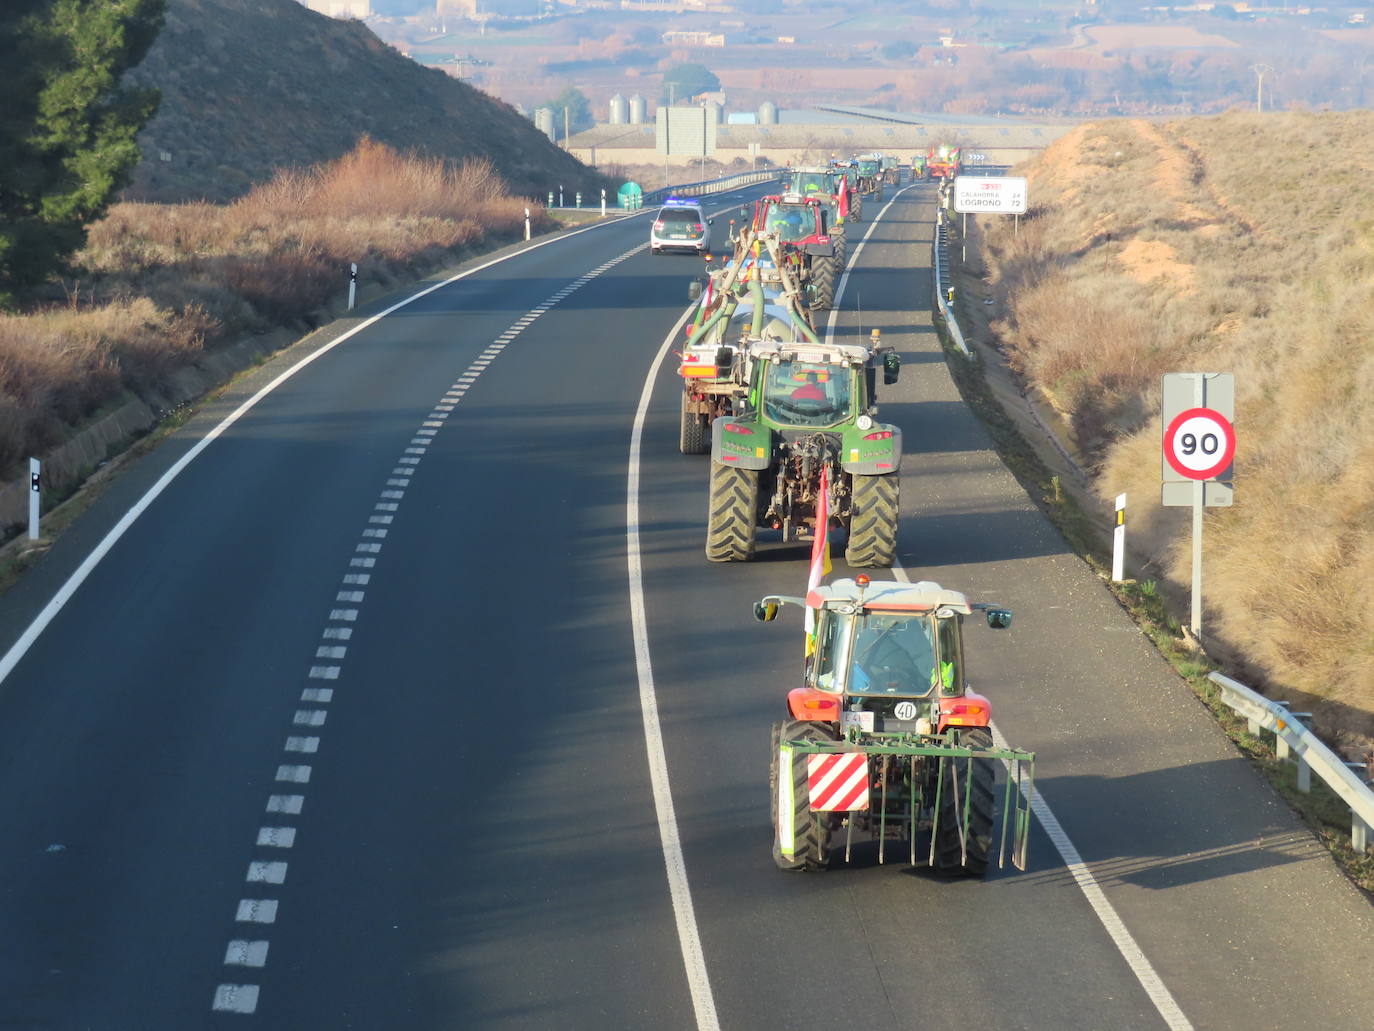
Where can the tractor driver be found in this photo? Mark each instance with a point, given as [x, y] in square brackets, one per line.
[810, 390]
[894, 656]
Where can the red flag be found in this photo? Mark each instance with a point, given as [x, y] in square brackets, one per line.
[820, 558]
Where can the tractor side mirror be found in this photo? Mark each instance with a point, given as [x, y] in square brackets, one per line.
[892, 367]
[743, 213]
[999, 619]
[765, 611]
[694, 290]
[710, 221]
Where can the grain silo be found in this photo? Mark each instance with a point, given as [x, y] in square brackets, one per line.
[639, 110]
[620, 110]
[543, 121]
[768, 113]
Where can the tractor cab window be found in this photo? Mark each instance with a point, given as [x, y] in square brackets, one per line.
[789, 222]
[827, 658]
[893, 654]
[812, 182]
[951, 672]
[797, 393]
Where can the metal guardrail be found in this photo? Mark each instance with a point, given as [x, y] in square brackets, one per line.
[1293, 739]
[944, 287]
[710, 186]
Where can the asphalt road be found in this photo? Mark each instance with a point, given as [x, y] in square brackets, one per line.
[354, 705]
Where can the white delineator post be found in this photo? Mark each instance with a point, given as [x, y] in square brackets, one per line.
[352, 284]
[603, 202]
[527, 223]
[1119, 541]
[35, 486]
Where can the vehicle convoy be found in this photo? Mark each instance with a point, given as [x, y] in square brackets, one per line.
[944, 161]
[756, 297]
[806, 420]
[885, 740]
[919, 171]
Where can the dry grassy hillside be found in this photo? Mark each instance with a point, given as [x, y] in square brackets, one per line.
[250, 86]
[1239, 244]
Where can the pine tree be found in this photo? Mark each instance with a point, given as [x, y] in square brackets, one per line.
[67, 128]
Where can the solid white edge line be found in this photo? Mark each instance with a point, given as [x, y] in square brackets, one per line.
[1144, 971]
[693, 958]
[64, 593]
[849, 261]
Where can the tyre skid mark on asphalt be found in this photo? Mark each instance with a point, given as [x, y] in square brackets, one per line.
[251, 954]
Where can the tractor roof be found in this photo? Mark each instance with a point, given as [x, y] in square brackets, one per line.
[891, 595]
[806, 351]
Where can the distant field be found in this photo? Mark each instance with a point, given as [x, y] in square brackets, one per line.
[1124, 37]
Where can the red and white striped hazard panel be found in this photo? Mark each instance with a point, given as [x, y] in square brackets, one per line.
[838, 782]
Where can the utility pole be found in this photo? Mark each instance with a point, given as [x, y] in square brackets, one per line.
[565, 126]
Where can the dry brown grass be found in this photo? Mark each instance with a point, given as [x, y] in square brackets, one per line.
[162, 280]
[1237, 244]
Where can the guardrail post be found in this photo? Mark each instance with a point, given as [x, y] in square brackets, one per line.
[1359, 833]
[1280, 745]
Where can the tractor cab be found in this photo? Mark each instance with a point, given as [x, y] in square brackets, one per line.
[893, 654]
[807, 386]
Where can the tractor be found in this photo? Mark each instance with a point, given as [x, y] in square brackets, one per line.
[944, 161]
[919, 171]
[805, 424]
[833, 185]
[885, 740]
[803, 227]
[869, 169]
[757, 296]
[892, 175]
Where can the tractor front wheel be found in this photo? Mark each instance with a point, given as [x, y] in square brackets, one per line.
[732, 514]
[692, 433]
[967, 793]
[803, 842]
[873, 521]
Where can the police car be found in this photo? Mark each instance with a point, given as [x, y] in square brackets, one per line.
[680, 226]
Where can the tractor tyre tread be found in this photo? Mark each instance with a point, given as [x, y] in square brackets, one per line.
[982, 805]
[823, 282]
[732, 513]
[873, 521]
[692, 438]
[812, 830]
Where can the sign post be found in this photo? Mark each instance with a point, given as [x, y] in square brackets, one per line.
[1197, 452]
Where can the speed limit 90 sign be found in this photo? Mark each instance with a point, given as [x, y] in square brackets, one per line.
[1199, 444]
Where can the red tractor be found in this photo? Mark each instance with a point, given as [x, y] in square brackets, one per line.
[802, 226]
[885, 740]
[944, 161]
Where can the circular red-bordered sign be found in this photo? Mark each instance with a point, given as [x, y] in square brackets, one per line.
[1199, 444]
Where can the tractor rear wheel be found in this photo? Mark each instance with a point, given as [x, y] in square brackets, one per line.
[873, 521]
[841, 257]
[732, 514]
[823, 282]
[970, 780]
[810, 831]
[691, 438]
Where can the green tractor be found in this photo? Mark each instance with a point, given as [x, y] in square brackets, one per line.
[919, 172]
[808, 410]
[870, 172]
[885, 741]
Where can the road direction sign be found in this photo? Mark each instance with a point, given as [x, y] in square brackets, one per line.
[1199, 444]
[990, 194]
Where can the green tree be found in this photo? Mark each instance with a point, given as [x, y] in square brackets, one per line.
[685, 81]
[67, 129]
[579, 109]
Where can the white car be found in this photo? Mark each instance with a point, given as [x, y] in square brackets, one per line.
[680, 225]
